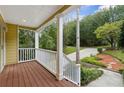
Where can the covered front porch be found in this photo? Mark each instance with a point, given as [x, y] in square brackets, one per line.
[36, 67]
[30, 74]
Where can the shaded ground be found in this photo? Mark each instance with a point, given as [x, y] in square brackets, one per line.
[111, 62]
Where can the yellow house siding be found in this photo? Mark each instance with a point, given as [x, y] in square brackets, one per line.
[11, 44]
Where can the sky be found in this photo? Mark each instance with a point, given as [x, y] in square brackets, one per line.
[90, 9]
[87, 10]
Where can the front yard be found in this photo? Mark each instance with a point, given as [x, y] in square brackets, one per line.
[110, 59]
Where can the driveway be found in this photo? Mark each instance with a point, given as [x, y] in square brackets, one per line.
[87, 52]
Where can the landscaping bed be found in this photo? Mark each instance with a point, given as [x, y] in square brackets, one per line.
[119, 54]
[93, 60]
[89, 74]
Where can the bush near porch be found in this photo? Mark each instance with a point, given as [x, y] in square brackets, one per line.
[89, 74]
[93, 60]
[122, 72]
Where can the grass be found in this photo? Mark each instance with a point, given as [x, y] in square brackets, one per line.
[70, 49]
[119, 54]
[89, 74]
[93, 60]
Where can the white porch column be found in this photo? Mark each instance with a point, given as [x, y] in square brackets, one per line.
[59, 74]
[36, 43]
[78, 39]
[36, 40]
[78, 47]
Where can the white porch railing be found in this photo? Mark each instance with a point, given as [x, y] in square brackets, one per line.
[71, 70]
[26, 54]
[47, 58]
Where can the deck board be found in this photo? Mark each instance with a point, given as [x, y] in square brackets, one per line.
[20, 77]
[30, 74]
[15, 76]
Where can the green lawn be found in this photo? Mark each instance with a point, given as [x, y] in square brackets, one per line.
[119, 54]
[70, 49]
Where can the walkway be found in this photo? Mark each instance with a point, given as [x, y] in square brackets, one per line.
[83, 53]
[108, 79]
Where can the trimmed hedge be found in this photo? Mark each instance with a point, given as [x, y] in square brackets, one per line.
[93, 60]
[89, 74]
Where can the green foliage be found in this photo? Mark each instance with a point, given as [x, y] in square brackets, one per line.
[48, 37]
[91, 22]
[122, 72]
[121, 39]
[100, 50]
[93, 60]
[110, 32]
[119, 54]
[26, 38]
[89, 74]
[70, 34]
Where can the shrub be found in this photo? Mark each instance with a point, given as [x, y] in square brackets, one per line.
[100, 50]
[89, 74]
[123, 76]
[93, 60]
[122, 72]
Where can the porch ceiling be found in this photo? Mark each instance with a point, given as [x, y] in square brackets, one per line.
[30, 16]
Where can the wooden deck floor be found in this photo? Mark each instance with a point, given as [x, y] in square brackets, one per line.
[30, 74]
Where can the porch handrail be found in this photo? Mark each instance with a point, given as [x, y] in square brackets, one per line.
[71, 70]
[26, 54]
[48, 59]
[47, 50]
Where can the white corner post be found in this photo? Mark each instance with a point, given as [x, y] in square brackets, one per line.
[78, 45]
[59, 66]
[36, 44]
[78, 39]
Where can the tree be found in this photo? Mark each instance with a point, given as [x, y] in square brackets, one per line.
[110, 32]
[26, 38]
[48, 37]
[69, 34]
[121, 39]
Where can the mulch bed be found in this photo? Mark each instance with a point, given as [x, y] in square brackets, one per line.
[111, 62]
